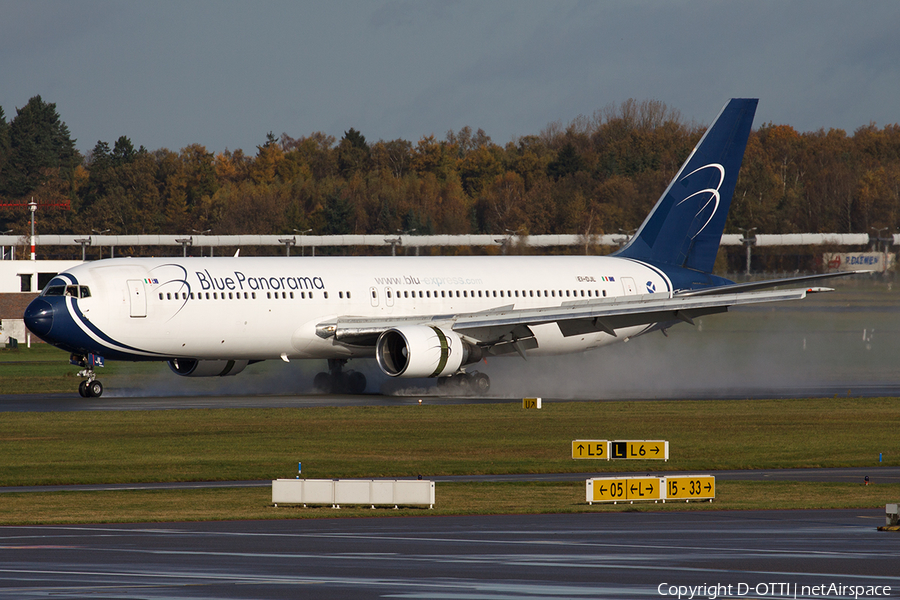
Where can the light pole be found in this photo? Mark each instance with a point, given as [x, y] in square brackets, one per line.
[204, 232]
[84, 242]
[504, 245]
[748, 240]
[883, 242]
[302, 233]
[628, 235]
[3, 249]
[32, 206]
[394, 242]
[288, 242]
[878, 239]
[100, 232]
[399, 240]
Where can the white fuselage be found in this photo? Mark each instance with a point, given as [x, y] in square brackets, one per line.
[264, 308]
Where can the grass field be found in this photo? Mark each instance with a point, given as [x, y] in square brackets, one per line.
[432, 439]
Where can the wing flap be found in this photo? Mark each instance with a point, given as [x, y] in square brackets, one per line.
[626, 311]
[609, 325]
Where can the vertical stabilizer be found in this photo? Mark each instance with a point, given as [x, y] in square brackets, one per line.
[685, 227]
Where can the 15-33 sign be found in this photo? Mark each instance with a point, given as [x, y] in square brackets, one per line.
[685, 488]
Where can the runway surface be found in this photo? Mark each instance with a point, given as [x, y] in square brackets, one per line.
[765, 554]
[111, 401]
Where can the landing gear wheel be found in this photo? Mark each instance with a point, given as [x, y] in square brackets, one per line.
[481, 383]
[338, 381]
[356, 382]
[82, 389]
[463, 382]
[323, 383]
[94, 389]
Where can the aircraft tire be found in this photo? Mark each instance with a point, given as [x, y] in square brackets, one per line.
[481, 383]
[463, 382]
[323, 383]
[82, 389]
[94, 389]
[356, 382]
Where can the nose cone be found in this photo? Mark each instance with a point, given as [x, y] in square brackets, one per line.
[39, 317]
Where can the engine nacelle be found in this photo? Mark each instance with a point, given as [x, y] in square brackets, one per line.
[191, 367]
[423, 351]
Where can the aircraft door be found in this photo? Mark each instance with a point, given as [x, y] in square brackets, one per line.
[138, 298]
[388, 296]
[373, 293]
[628, 284]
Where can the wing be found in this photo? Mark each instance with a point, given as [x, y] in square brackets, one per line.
[506, 329]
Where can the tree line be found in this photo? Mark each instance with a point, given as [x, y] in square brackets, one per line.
[594, 175]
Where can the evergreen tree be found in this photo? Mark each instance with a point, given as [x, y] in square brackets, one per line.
[38, 141]
[567, 162]
[353, 153]
[337, 212]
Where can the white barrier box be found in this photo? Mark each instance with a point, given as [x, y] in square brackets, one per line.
[317, 491]
[382, 492]
[287, 491]
[352, 491]
[334, 492]
[414, 492]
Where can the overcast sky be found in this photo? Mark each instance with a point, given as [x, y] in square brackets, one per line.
[224, 73]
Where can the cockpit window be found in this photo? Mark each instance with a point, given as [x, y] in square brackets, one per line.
[58, 287]
[78, 291]
[55, 290]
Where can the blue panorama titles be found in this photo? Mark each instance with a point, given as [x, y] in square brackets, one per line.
[241, 282]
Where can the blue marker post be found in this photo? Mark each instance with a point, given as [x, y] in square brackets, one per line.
[299, 469]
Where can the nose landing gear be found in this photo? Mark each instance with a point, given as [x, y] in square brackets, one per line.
[90, 387]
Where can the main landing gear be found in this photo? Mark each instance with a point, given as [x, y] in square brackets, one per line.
[465, 383]
[90, 387]
[337, 381]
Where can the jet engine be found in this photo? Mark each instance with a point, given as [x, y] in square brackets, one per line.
[191, 367]
[423, 351]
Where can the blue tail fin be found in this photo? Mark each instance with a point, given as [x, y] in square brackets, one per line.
[685, 227]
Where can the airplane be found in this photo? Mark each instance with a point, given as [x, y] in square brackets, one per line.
[419, 317]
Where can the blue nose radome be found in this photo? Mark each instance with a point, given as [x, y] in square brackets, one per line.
[39, 317]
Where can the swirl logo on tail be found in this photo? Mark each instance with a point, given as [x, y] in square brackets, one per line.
[714, 196]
